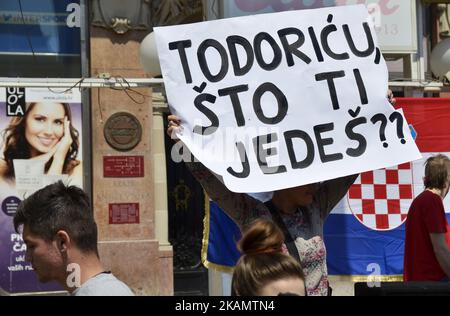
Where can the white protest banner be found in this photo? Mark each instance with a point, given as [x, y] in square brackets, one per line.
[278, 100]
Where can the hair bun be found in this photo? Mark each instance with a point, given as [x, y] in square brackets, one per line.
[264, 236]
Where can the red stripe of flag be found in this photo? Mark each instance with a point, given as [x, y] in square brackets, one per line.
[430, 118]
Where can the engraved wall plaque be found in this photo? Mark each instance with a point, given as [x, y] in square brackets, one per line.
[123, 131]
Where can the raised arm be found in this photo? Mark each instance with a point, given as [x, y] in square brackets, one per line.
[239, 206]
[332, 191]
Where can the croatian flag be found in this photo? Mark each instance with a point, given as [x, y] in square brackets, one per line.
[365, 233]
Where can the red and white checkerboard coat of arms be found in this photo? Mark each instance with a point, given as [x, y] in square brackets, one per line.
[380, 199]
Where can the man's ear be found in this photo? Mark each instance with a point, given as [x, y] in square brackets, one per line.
[63, 241]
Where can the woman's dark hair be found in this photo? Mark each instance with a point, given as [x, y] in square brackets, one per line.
[262, 260]
[437, 172]
[17, 147]
[59, 207]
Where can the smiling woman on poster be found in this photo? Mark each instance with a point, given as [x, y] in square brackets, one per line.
[44, 135]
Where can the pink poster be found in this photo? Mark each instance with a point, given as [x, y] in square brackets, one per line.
[40, 143]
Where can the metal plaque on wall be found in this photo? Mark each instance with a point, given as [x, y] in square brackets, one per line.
[123, 131]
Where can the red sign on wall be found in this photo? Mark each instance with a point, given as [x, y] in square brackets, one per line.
[123, 166]
[124, 213]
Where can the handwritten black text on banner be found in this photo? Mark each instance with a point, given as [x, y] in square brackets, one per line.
[280, 100]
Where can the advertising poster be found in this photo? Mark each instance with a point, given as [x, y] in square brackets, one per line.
[394, 20]
[40, 143]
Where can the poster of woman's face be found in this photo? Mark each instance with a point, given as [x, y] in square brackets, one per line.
[40, 143]
[44, 126]
[41, 126]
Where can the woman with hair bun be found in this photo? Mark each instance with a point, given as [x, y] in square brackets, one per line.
[264, 268]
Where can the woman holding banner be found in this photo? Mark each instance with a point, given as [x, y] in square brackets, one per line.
[44, 135]
[299, 211]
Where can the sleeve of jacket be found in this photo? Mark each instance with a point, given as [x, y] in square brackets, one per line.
[332, 191]
[239, 206]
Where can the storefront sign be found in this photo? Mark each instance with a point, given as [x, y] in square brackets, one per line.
[395, 20]
[49, 27]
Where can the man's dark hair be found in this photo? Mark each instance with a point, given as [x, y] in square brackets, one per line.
[436, 172]
[59, 207]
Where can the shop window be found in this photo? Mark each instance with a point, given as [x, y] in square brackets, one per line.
[40, 38]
